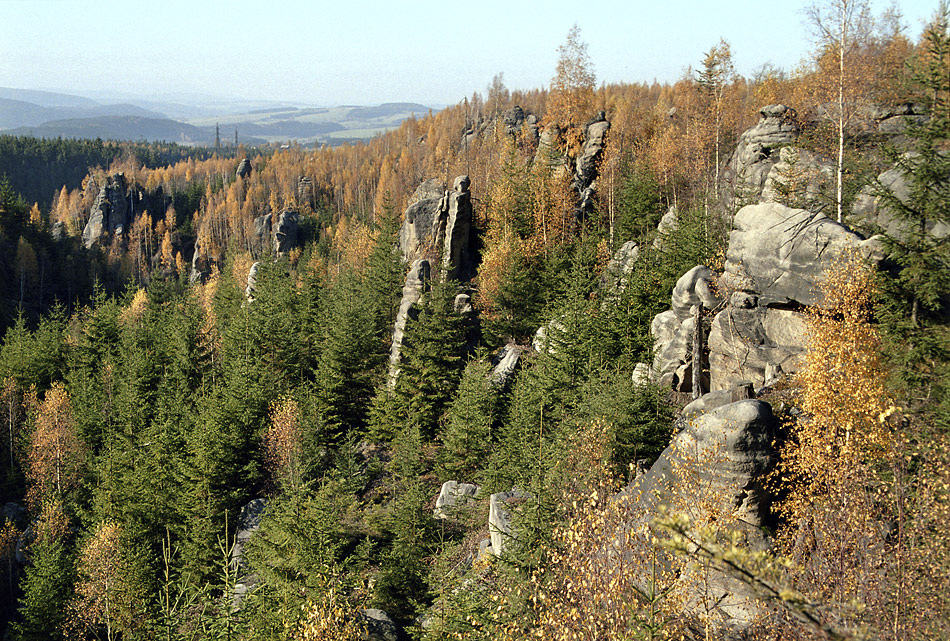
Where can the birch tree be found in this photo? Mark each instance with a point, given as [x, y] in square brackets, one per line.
[839, 26]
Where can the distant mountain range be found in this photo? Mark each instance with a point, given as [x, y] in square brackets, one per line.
[46, 114]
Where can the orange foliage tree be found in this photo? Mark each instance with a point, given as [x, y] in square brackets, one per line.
[56, 454]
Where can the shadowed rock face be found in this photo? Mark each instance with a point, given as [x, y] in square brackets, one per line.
[110, 211]
[243, 168]
[417, 282]
[438, 228]
[285, 234]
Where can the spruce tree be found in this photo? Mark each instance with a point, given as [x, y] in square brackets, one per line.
[918, 290]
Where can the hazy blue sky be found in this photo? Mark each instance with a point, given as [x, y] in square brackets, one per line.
[365, 52]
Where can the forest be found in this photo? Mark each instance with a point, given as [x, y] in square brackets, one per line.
[419, 387]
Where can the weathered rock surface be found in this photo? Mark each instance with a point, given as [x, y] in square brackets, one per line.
[457, 259]
[744, 175]
[780, 254]
[714, 470]
[285, 234]
[417, 282]
[419, 236]
[243, 168]
[754, 343]
[668, 224]
[110, 211]
[250, 289]
[641, 374]
[506, 364]
[438, 227]
[799, 177]
[776, 258]
[672, 330]
[453, 494]
[620, 266]
[586, 165]
[871, 209]
[379, 627]
[500, 517]
[249, 522]
[263, 232]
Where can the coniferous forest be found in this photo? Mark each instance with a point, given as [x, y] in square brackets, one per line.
[596, 361]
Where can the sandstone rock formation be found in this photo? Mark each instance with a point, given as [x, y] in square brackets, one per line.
[417, 282]
[250, 289]
[500, 517]
[870, 209]
[620, 266]
[453, 494]
[263, 228]
[506, 363]
[243, 168]
[249, 522]
[744, 175]
[110, 211]
[714, 472]
[438, 227]
[585, 173]
[285, 234]
[672, 330]
[775, 260]
[780, 253]
[379, 627]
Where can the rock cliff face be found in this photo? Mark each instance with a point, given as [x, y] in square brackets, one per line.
[586, 165]
[417, 282]
[775, 260]
[110, 211]
[438, 227]
[714, 470]
[870, 209]
[744, 176]
[243, 168]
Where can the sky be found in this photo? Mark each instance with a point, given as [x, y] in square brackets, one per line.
[369, 52]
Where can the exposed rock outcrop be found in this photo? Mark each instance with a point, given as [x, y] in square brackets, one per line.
[249, 522]
[501, 517]
[870, 209]
[379, 627]
[243, 168]
[586, 165]
[798, 179]
[263, 232]
[744, 175]
[457, 259]
[774, 263]
[453, 495]
[285, 234]
[780, 254]
[110, 212]
[714, 471]
[672, 330]
[438, 227]
[505, 364]
[620, 266]
[417, 282]
[251, 287]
